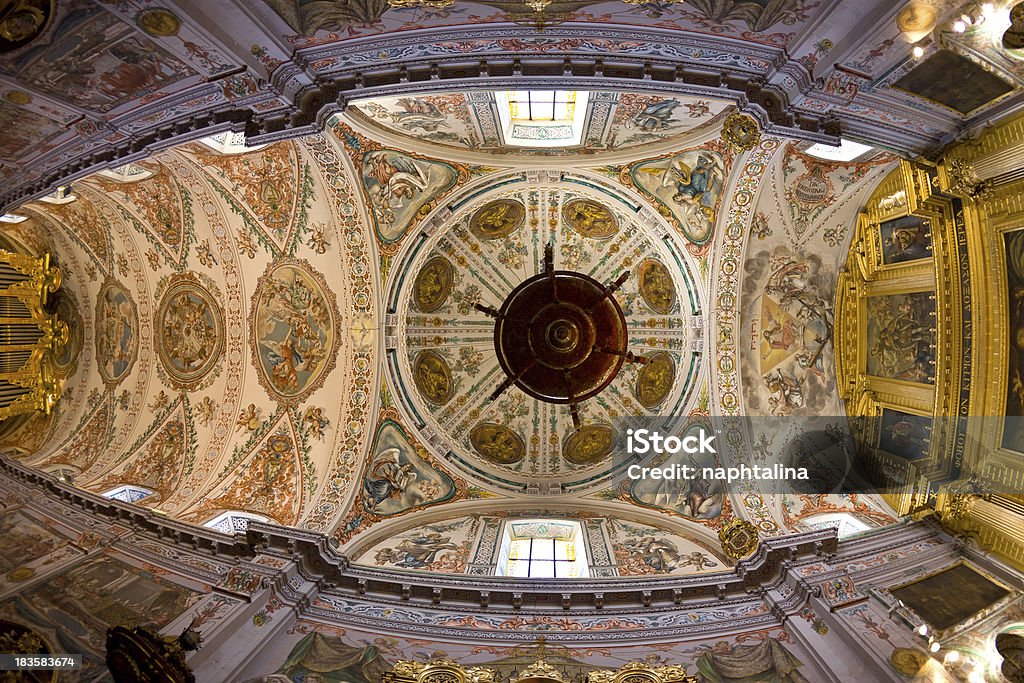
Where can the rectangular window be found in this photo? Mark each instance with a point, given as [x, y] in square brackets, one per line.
[548, 552]
[542, 105]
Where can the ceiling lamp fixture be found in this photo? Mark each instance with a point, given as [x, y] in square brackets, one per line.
[561, 336]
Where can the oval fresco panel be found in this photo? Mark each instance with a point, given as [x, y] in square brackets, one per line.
[590, 219]
[656, 286]
[117, 325]
[294, 330]
[67, 311]
[498, 219]
[189, 331]
[433, 284]
[433, 377]
[497, 444]
[654, 381]
[589, 445]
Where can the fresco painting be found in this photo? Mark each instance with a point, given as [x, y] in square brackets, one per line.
[697, 498]
[24, 541]
[21, 131]
[771, 22]
[642, 549]
[397, 478]
[687, 185]
[644, 119]
[438, 547]
[78, 605]
[446, 119]
[398, 186]
[788, 309]
[767, 661]
[327, 659]
[96, 61]
[313, 651]
[294, 337]
[116, 332]
[190, 330]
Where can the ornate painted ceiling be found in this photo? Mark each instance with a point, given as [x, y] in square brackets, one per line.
[101, 84]
[471, 121]
[291, 332]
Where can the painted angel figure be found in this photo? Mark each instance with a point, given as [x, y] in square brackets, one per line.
[286, 360]
[691, 184]
[397, 180]
[388, 478]
[655, 117]
[419, 113]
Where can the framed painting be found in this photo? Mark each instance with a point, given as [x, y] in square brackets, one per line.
[951, 596]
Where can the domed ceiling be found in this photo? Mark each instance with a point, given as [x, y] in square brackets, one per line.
[446, 365]
[293, 331]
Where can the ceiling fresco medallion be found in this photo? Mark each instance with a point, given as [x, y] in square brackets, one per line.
[433, 377]
[656, 286]
[497, 444]
[159, 22]
[294, 330]
[117, 325]
[190, 329]
[590, 219]
[908, 661]
[739, 538]
[654, 380]
[497, 219]
[433, 284]
[589, 445]
[22, 21]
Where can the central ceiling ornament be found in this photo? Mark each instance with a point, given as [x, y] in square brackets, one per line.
[561, 336]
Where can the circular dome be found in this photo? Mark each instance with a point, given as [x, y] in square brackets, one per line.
[498, 343]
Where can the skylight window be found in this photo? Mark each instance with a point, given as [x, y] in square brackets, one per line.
[844, 523]
[234, 522]
[229, 143]
[543, 549]
[128, 493]
[541, 105]
[542, 118]
[846, 151]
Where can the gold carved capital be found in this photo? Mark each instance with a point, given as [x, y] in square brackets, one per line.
[639, 672]
[437, 671]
